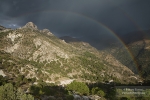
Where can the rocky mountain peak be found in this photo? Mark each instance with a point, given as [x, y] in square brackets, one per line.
[30, 25]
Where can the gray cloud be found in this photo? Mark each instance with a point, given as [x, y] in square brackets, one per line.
[85, 19]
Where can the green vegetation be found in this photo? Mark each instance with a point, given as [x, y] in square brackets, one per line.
[47, 89]
[98, 91]
[9, 92]
[3, 80]
[78, 87]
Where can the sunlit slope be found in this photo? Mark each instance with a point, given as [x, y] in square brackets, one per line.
[38, 53]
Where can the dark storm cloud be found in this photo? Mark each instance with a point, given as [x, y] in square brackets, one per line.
[78, 18]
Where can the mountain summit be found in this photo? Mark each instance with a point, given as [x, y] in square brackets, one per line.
[30, 25]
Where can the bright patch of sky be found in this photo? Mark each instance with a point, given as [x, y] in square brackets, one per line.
[13, 26]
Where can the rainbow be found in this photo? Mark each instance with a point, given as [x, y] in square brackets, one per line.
[94, 21]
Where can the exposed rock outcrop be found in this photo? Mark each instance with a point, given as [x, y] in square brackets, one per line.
[30, 25]
[47, 32]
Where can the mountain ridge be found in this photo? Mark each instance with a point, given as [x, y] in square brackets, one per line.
[40, 55]
[69, 39]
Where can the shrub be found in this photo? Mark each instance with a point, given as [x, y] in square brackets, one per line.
[78, 87]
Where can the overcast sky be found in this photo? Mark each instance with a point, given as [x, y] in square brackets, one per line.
[90, 20]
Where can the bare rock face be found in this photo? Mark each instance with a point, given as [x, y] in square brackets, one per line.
[47, 32]
[30, 25]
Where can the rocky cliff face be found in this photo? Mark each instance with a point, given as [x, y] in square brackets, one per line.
[38, 53]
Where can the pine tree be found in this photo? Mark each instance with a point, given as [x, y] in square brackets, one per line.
[9, 92]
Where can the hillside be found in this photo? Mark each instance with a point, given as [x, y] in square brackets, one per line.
[137, 58]
[38, 53]
[141, 52]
